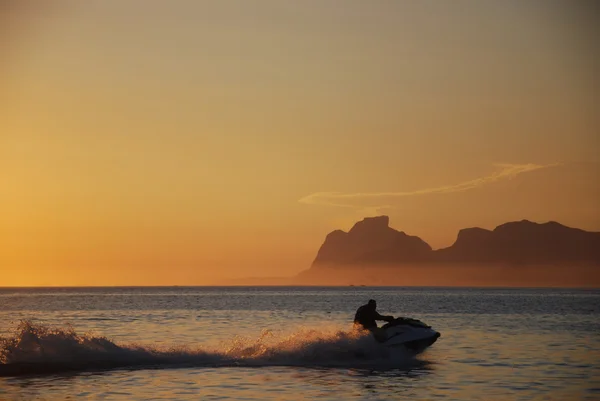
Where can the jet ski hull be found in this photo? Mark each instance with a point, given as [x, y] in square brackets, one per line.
[418, 345]
[411, 334]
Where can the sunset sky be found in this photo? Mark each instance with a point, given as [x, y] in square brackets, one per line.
[179, 142]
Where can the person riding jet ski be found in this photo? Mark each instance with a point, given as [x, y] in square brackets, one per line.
[367, 316]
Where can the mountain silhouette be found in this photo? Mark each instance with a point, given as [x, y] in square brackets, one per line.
[371, 242]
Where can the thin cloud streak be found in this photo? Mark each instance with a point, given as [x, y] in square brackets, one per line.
[339, 199]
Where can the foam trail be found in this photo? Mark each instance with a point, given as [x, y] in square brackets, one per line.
[39, 349]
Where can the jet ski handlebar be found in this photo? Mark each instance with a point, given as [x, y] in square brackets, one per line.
[405, 321]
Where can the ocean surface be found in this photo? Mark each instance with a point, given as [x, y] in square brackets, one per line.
[276, 343]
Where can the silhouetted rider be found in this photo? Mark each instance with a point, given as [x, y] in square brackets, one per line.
[367, 315]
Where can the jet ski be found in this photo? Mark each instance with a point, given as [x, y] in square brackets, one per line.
[410, 333]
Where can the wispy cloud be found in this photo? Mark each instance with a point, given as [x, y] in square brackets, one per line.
[356, 200]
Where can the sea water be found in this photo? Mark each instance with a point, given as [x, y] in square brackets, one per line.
[293, 343]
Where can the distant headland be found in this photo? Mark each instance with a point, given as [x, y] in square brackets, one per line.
[521, 253]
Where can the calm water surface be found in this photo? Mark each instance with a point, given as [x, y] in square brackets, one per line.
[296, 343]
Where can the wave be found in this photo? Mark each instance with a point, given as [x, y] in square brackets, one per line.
[39, 349]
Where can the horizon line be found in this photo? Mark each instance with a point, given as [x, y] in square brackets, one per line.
[299, 286]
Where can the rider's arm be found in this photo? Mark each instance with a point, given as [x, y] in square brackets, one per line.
[384, 318]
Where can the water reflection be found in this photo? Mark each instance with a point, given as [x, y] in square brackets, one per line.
[495, 345]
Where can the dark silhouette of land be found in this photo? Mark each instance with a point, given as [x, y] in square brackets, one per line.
[515, 253]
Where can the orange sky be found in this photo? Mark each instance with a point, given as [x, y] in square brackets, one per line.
[152, 142]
